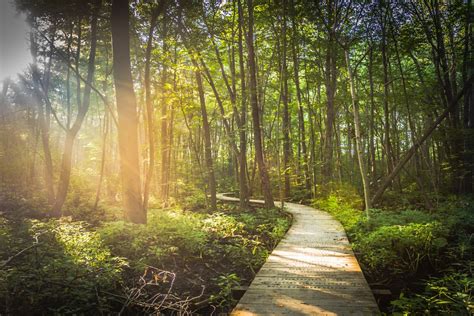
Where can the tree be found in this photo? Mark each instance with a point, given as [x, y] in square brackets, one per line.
[358, 141]
[149, 109]
[207, 139]
[83, 108]
[127, 114]
[257, 129]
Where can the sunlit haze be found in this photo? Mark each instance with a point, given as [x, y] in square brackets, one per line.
[14, 52]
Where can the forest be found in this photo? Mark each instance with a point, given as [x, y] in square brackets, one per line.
[133, 115]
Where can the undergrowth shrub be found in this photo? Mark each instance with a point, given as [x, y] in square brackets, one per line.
[225, 282]
[51, 266]
[167, 233]
[426, 254]
[451, 294]
[397, 251]
[47, 263]
[343, 203]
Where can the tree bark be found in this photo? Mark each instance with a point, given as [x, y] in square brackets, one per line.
[359, 149]
[301, 122]
[243, 183]
[127, 114]
[373, 161]
[149, 112]
[207, 139]
[286, 111]
[330, 83]
[43, 124]
[164, 148]
[386, 83]
[264, 177]
[468, 113]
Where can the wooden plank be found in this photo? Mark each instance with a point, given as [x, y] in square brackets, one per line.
[312, 271]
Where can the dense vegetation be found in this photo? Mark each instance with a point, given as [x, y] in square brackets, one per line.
[423, 256]
[182, 260]
[133, 114]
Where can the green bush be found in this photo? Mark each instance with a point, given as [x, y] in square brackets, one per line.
[343, 209]
[398, 250]
[225, 282]
[223, 225]
[451, 294]
[380, 218]
[73, 267]
[398, 246]
[167, 233]
[48, 263]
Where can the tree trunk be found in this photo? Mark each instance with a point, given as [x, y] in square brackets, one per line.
[286, 112]
[301, 122]
[164, 148]
[43, 124]
[264, 177]
[149, 112]
[386, 83]
[359, 149]
[468, 113]
[330, 82]
[243, 183]
[71, 133]
[373, 161]
[127, 114]
[207, 139]
[102, 160]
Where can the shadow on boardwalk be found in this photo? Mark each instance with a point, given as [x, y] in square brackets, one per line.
[312, 271]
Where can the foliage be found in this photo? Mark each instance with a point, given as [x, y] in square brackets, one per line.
[343, 202]
[300, 106]
[398, 251]
[225, 282]
[451, 294]
[73, 267]
[48, 263]
[167, 234]
[403, 248]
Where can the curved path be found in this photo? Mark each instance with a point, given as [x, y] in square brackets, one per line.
[312, 271]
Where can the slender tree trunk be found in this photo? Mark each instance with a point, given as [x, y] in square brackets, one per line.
[149, 112]
[330, 82]
[386, 83]
[286, 111]
[102, 160]
[372, 149]
[127, 114]
[48, 161]
[243, 183]
[301, 122]
[207, 140]
[43, 124]
[264, 177]
[468, 113]
[164, 149]
[71, 133]
[358, 141]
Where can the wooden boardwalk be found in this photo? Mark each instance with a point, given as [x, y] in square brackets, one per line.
[312, 271]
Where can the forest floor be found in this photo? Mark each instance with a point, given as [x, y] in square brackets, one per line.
[189, 258]
[186, 259]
